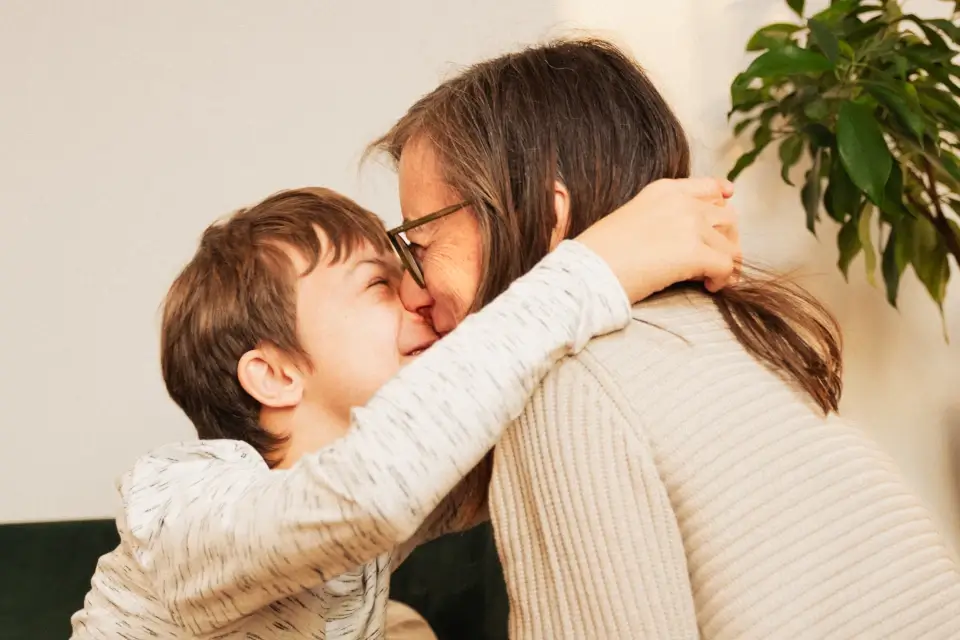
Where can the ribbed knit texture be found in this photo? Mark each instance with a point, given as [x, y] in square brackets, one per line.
[664, 484]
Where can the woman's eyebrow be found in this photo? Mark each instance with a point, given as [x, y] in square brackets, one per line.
[422, 230]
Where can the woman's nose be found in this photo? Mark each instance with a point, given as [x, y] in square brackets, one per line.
[415, 298]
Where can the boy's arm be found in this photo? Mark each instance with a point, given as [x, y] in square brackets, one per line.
[464, 508]
[222, 540]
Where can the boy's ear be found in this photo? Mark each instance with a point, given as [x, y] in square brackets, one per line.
[561, 206]
[270, 378]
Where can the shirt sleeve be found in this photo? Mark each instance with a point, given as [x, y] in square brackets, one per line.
[464, 508]
[222, 535]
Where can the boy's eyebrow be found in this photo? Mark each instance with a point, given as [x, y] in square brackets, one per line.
[392, 267]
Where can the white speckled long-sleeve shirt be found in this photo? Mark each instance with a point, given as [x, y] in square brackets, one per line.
[214, 544]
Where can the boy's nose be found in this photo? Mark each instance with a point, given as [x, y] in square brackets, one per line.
[414, 298]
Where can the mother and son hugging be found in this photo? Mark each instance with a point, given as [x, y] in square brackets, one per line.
[558, 338]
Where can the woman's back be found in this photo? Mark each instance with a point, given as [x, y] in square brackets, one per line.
[666, 484]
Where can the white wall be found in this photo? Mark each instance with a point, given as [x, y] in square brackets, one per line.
[901, 379]
[125, 128]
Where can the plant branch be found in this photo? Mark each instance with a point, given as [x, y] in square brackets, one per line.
[941, 222]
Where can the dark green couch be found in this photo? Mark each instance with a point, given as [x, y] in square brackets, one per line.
[45, 570]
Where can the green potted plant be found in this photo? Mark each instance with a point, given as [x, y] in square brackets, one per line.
[869, 94]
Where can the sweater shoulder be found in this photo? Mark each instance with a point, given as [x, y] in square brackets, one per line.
[678, 354]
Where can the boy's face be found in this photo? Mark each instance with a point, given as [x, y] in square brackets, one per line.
[352, 325]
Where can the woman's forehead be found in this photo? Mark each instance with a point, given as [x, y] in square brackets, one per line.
[423, 189]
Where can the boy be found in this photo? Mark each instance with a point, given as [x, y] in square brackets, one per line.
[307, 484]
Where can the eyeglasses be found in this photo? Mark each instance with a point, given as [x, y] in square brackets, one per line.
[402, 246]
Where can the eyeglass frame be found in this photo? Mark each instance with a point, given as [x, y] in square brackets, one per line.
[401, 245]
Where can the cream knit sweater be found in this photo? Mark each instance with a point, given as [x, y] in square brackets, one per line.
[663, 484]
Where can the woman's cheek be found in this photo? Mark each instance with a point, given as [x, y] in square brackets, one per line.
[458, 280]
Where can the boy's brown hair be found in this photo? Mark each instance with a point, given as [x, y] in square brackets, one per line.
[239, 292]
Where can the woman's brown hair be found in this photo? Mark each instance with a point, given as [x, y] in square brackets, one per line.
[583, 112]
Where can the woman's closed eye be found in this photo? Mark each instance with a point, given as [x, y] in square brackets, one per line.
[417, 250]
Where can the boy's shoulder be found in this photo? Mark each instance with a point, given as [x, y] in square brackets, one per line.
[195, 456]
[186, 470]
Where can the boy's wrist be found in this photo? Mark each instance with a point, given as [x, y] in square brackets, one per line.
[605, 306]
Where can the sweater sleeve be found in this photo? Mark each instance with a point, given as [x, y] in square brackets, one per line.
[589, 542]
[223, 536]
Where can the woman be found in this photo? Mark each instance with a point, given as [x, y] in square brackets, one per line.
[716, 495]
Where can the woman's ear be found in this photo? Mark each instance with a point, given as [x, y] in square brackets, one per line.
[270, 378]
[561, 206]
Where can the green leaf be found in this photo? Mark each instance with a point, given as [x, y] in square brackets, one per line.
[810, 193]
[863, 150]
[819, 135]
[771, 36]
[743, 162]
[763, 135]
[790, 152]
[895, 258]
[955, 205]
[865, 31]
[844, 196]
[847, 51]
[941, 73]
[816, 109]
[744, 108]
[901, 65]
[797, 6]
[743, 98]
[952, 30]
[740, 91]
[836, 12]
[930, 260]
[761, 138]
[933, 38]
[912, 99]
[869, 253]
[848, 242]
[824, 37]
[955, 228]
[941, 105]
[892, 207]
[905, 105]
[786, 61]
[742, 126]
[946, 168]
[892, 10]
[923, 55]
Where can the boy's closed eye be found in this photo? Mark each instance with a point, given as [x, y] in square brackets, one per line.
[381, 273]
[379, 281]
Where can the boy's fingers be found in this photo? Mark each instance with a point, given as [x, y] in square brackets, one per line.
[701, 188]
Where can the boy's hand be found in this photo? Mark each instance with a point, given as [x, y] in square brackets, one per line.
[672, 231]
